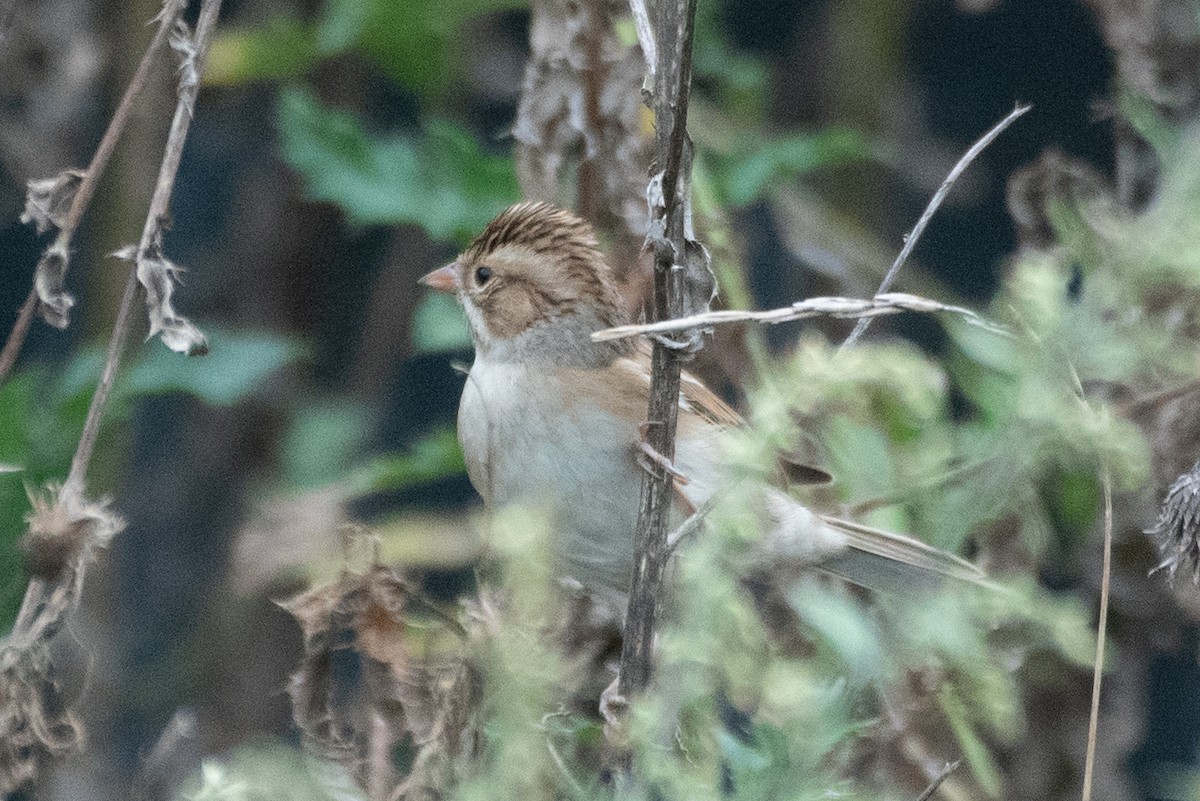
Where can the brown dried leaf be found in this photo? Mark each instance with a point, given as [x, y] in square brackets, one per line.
[1157, 44]
[36, 727]
[49, 200]
[1053, 176]
[64, 528]
[412, 687]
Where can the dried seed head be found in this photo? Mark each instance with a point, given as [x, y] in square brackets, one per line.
[62, 527]
[1178, 527]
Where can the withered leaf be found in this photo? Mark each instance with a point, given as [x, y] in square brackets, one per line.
[63, 528]
[157, 275]
[411, 685]
[48, 200]
[54, 302]
[183, 42]
[36, 725]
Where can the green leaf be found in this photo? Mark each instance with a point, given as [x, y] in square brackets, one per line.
[344, 23]
[842, 628]
[979, 757]
[236, 363]
[435, 456]
[420, 43]
[417, 43]
[319, 442]
[746, 176]
[1140, 112]
[438, 179]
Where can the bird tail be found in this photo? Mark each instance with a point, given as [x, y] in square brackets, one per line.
[884, 561]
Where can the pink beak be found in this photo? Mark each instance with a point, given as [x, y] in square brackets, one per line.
[443, 279]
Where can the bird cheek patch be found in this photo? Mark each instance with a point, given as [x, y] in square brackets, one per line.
[510, 312]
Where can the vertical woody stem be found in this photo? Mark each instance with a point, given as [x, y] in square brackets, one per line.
[674, 21]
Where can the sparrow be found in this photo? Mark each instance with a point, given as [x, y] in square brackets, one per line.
[552, 419]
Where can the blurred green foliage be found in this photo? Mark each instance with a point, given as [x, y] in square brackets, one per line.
[439, 180]
[269, 770]
[417, 43]
[42, 415]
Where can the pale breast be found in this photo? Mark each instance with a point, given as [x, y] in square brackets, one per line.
[532, 437]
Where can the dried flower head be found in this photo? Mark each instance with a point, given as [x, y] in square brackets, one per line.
[62, 529]
[1178, 526]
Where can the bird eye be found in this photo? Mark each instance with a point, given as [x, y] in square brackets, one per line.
[482, 274]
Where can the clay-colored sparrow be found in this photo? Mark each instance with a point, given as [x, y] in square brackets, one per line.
[550, 418]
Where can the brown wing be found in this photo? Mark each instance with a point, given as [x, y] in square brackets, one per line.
[696, 401]
[702, 407]
[699, 399]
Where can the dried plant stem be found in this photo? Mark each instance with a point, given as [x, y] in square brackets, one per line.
[112, 359]
[1101, 633]
[945, 772]
[159, 205]
[87, 188]
[910, 241]
[674, 20]
[16, 338]
[888, 303]
[167, 19]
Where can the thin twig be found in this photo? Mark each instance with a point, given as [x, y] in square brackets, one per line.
[112, 359]
[645, 35]
[1101, 633]
[843, 308]
[690, 526]
[91, 178]
[949, 768]
[16, 338]
[167, 18]
[910, 241]
[674, 23]
[159, 205]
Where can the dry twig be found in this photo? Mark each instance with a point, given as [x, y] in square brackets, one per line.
[910, 241]
[945, 772]
[676, 260]
[1101, 631]
[151, 243]
[61, 202]
[890, 303]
